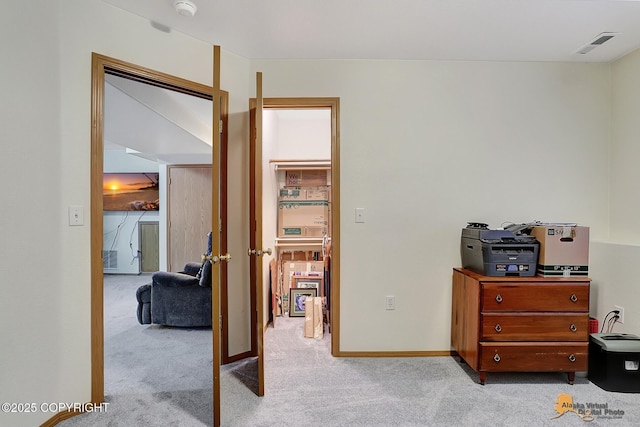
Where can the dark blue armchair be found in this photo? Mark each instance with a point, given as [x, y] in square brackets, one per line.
[177, 299]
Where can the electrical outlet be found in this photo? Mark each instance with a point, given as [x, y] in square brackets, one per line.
[621, 314]
[391, 302]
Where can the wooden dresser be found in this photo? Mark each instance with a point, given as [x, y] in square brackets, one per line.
[520, 324]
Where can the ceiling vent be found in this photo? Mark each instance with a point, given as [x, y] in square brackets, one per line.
[599, 40]
[185, 8]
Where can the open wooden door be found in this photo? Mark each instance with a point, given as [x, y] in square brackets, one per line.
[255, 228]
[216, 257]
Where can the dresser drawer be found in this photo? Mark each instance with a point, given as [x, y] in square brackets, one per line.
[532, 296]
[534, 327]
[533, 357]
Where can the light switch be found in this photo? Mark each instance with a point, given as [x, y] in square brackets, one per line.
[359, 215]
[76, 215]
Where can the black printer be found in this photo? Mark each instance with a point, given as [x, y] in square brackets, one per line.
[498, 252]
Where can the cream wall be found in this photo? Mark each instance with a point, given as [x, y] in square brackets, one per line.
[235, 79]
[625, 149]
[46, 354]
[32, 214]
[427, 146]
[615, 257]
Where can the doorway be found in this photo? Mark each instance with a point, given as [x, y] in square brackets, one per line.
[103, 66]
[302, 108]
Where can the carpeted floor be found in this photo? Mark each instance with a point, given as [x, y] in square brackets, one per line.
[156, 376]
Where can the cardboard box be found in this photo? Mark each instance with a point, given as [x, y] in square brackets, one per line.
[308, 317]
[295, 193]
[289, 268]
[564, 250]
[313, 318]
[296, 256]
[318, 321]
[306, 178]
[302, 231]
[322, 192]
[303, 218]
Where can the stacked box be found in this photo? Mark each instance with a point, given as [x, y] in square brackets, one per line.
[303, 218]
[322, 192]
[289, 268]
[294, 193]
[306, 178]
[564, 250]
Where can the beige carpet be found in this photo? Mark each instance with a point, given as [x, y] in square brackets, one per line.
[159, 376]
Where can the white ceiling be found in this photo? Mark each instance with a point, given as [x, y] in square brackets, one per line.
[496, 30]
[165, 126]
[158, 124]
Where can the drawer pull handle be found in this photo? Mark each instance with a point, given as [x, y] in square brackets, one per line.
[572, 358]
[497, 357]
[498, 328]
[499, 298]
[573, 327]
[573, 297]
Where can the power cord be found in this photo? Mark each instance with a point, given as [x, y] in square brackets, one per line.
[139, 253]
[610, 321]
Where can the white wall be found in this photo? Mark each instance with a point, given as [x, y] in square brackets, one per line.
[614, 282]
[121, 228]
[46, 340]
[33, 214]
[625, 150]
[236, 79]
[427, 146]
[270, 151]
[121, 234]
[614, 258]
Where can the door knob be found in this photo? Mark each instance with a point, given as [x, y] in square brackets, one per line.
[259, 252]
[214, 259]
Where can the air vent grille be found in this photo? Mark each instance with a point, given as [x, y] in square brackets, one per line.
[598, 41]
[602, 39]
[110, 260]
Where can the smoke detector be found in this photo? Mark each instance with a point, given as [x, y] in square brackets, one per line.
[185, 8]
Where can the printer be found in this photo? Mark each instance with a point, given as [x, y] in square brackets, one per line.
[498, 252]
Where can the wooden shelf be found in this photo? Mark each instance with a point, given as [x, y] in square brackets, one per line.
[284, 165]
[284, 244]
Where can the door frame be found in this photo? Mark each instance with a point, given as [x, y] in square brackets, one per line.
[101, 65]
[334, 289]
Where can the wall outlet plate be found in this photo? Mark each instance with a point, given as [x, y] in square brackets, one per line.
[621, 314]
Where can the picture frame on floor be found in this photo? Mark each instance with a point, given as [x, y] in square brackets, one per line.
[297, 299]
[310, 282]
